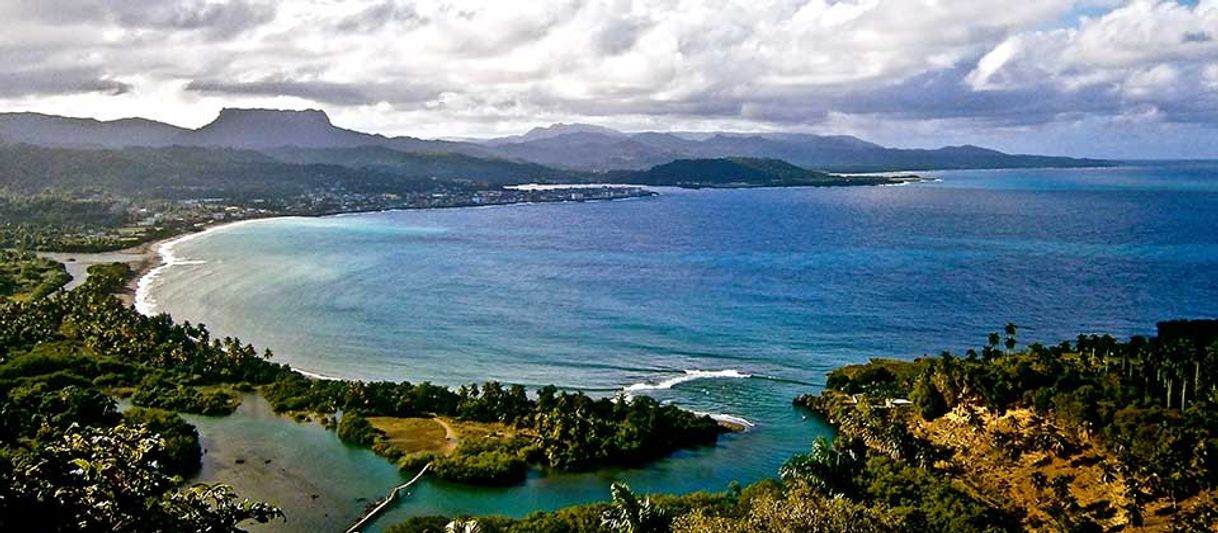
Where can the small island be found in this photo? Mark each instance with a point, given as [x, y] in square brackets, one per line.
[748, 172]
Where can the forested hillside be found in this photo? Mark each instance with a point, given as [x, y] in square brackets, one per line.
[1092, 434]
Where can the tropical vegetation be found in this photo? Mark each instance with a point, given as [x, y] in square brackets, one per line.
[1093, 434]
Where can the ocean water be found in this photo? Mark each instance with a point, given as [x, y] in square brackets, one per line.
[724, 301]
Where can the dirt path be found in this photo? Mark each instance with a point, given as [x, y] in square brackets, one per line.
[450, 436]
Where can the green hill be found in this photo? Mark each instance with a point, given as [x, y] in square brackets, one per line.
[740, 172]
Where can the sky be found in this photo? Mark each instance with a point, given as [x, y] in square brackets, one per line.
[1102, 78]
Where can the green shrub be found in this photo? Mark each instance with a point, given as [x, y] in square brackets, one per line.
[182, 453]
[211, 402]
[353, 428]
[486, 461]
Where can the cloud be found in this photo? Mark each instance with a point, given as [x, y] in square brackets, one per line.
[1144, 55]
[217, 18]
[319, 91]
[67, 81]
[456, 67]
[390, 13]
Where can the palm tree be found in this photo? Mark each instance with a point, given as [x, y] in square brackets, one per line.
[824, 468]
[628, 513]
[1010, 330]
[1211, 361]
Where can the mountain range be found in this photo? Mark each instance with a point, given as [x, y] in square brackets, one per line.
[291, 135]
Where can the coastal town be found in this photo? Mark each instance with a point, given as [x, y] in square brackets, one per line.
[131, 222]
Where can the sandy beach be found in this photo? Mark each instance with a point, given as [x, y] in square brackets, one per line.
[144, 259]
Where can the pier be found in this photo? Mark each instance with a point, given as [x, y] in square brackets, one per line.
[393, 494]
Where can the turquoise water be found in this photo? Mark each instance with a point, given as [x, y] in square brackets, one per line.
[724, 301]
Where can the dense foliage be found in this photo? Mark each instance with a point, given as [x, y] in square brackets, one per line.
[1149, 404]
[355, 429]
[180, 453]
[92, 479]
[25, 275]
[485, 461]
[204, 401]
[68, 460]
[625, 511]
[1152, 401]
[882, 474]
[572, 430]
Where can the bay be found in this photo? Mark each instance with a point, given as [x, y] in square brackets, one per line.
[723, 301]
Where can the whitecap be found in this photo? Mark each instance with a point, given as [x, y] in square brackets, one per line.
[690, 375]
[731, 419]
[314, 375]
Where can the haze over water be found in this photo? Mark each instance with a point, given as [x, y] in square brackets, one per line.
[724, 301]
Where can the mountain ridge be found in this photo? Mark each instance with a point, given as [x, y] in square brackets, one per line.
[573, 147]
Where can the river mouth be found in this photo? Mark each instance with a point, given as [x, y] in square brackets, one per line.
[319, 482]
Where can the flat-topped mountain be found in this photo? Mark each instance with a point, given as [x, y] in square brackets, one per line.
[264, 128]
[577, 147]
[255, 129]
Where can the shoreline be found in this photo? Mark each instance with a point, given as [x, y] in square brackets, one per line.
[158, 256]
[147, 260]
[154, 254]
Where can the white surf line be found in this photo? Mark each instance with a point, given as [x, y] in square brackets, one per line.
[690, 375]
[144, 303]
[731, 419]
[560, 186]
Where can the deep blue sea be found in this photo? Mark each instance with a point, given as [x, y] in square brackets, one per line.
[724, 301]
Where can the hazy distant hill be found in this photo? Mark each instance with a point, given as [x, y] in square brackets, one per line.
[578, 147]
[167, 172]
[437, 165]
[599, 151]
[588, 152]
[198, 172]
[555, 130]
[50, 130]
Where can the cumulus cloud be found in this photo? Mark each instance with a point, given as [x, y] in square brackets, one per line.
[220, 19]
[1144, 55]
[457, 67]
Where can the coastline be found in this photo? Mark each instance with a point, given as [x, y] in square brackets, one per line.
[147, 260]
[158, 256]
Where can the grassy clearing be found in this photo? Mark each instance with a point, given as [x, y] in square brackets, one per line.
[413, 435]
[440, 435]
[472, 430]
